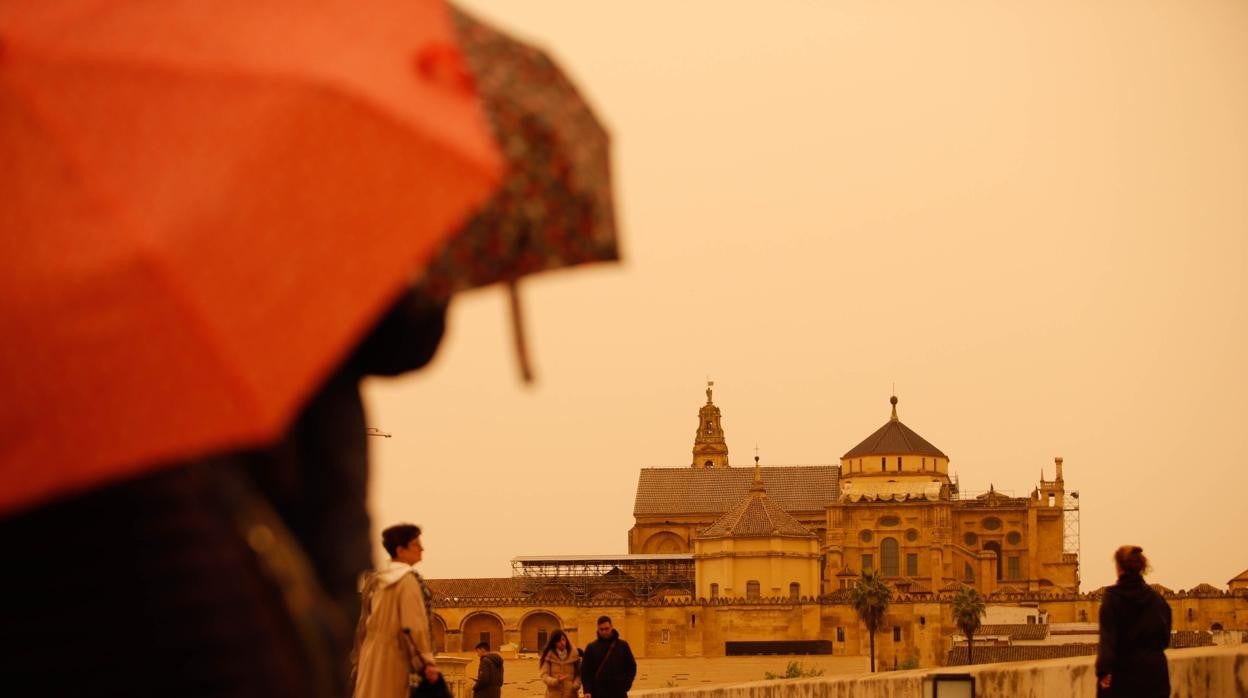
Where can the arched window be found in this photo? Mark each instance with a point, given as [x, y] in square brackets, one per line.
[714, 590]
[968, 573]
[752, 589]
[795, 590]
[996, 548]
[890, 564]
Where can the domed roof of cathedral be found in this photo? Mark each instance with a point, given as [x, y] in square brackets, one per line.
[757, 515]
[892, 439]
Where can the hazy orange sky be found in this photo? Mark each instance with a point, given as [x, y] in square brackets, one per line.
[1031, 217]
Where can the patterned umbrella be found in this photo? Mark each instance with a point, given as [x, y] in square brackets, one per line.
[554, 207]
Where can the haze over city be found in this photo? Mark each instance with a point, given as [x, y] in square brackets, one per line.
[1027, 222]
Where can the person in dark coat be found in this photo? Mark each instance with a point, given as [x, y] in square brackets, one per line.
[1135, 631]
[608, 669]
[489, 674]
[232, 574]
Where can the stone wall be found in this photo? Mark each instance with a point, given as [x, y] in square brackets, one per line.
[916, 627]
[1204, 672]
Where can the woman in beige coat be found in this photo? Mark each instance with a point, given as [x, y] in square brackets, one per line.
[393, 637]
[560, 667]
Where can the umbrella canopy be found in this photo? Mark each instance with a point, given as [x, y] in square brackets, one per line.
[204, 206]
[554, 207]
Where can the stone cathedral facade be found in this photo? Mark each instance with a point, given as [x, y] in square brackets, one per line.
[757, 559]
[889, 505]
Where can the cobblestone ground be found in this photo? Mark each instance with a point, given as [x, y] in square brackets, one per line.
[522, 679]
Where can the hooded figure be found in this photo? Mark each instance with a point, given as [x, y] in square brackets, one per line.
[393, 637]
[1135, 631]
[489, 673]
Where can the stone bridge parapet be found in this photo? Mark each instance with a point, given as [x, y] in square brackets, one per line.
[1200, 672]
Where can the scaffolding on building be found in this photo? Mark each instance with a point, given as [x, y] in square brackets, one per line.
[1070, 514]
[583, 576]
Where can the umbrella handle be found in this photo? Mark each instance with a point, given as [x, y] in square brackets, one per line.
[517, 332]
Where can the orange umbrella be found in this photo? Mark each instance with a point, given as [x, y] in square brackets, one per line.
[204, 204]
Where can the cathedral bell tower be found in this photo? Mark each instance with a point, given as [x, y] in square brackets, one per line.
[709, 448]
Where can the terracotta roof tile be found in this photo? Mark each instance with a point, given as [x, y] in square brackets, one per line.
[1018, 653]
[894, 439]
[755, 516]
[715, 491]
[1015, 631]
[480, 588]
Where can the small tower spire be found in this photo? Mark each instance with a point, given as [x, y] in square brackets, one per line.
[710, 450]
[893, 400]
[757, 486]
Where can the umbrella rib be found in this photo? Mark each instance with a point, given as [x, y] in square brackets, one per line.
[76, 168]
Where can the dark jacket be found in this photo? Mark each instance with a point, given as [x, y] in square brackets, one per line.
[1135, 629]
[609, 668]
[159, 545]
[489, 676]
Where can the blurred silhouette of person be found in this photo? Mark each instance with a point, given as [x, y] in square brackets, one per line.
[234, 574]
[1135, 631]
[394, 637]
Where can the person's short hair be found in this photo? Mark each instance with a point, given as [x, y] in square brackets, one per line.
[604, 619]
[483, 646]
[1130, 558]
[399, 536]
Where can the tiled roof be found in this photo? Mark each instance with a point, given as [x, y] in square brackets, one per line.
[756, 515]
[985, 654]
[1241, 577]
[910, 585]
[894, 439]
[1015, 631]
[714, 491]
[481, 588]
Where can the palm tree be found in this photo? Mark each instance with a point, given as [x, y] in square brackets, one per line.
[870, 597]
[968, 608]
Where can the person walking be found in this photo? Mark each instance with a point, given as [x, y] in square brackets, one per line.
[1135, 631]
[489, 673]
[393, 637]
[608, 668]
[560, 667]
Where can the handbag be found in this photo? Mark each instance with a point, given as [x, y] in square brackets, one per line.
[422, 687]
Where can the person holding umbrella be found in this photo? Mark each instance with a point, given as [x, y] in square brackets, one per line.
[197, 293]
